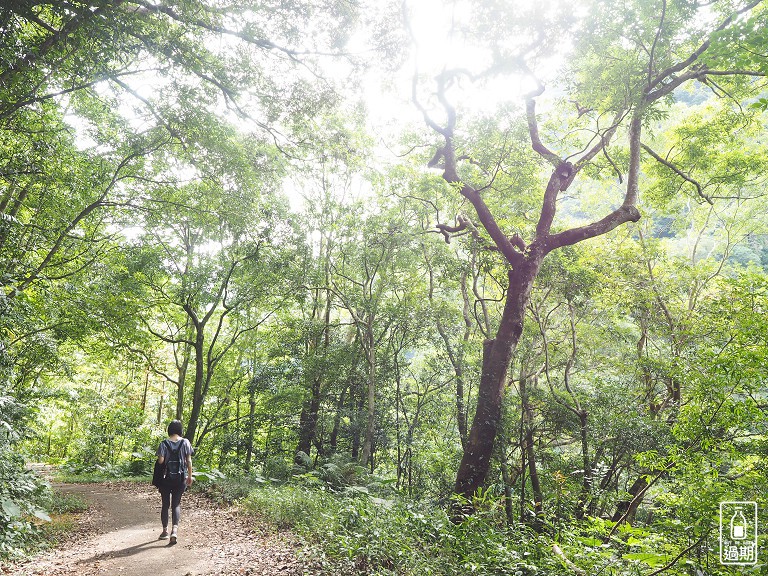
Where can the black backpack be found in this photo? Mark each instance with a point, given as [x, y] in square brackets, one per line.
[175, 466]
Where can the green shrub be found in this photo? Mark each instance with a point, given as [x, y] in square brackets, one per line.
[63, 508]
[277, 468]
[353, 531]
[292, 506]
[141, 463]
[64, 503]
[75, 471]
[21, 497]
[226, 489]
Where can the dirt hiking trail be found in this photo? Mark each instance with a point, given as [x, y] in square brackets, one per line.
[118, 536]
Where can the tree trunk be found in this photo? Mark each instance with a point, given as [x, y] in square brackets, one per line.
[182, 379]
[226, 443]
[311, 407]
[367, 455]
[238, 431]
[507, 479]
[398, 432]
[337, 420]
[197, 393]
[309, 417]
[456, 357]
[586, 485]
[146, 389]
[357, 403]
[13, 212]
[538, 495]
[160, 409]
[625, 510]
[497, 354]
[530, 453]
[461, 406]
[251, 422]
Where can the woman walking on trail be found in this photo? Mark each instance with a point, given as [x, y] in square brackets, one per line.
[173, 474]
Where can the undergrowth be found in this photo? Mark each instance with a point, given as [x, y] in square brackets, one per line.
[63, 509]
[375, 530]
[355, 532]
[352, 529]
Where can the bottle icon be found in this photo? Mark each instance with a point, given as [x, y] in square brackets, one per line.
[738, 525]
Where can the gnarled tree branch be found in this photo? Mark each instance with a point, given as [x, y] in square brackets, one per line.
[533, 128]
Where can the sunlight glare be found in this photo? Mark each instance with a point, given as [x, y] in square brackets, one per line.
[441, 43]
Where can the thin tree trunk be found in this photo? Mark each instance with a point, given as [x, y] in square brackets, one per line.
[197, 392]
[309, 417]
[508, 503]
[334, 439]
[367, 455]
[225, 442]
[538, 495]
[311, 407]
[238, 432]
[586, 485]
[13, 212]
[523, 479]
[357, 402]
[461, 406]
[507, 479]
[251, 426]
[626, 509]
[146, 389]
[187, 352]
[530, 453]
[398, 433]
[160, 409]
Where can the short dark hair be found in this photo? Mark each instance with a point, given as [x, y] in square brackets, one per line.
[175, 428]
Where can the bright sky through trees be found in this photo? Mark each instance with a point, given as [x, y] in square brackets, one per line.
[443, 38]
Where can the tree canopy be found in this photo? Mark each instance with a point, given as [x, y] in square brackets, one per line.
[503, 260]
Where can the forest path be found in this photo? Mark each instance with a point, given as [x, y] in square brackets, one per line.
[118, 536]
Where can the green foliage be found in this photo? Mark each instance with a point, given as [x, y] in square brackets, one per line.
[66, 503]
[356, 532]
[277, 468]
[720, 148]
[336, 473]
[150, 264]
[205, 475]
[289, 506]
[22, 492]
[141, 463]
[63, 509]
[22, 495]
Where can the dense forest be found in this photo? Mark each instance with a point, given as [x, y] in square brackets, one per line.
[487, 278]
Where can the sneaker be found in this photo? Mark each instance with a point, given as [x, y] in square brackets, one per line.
[173, 536]
[163, 535]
